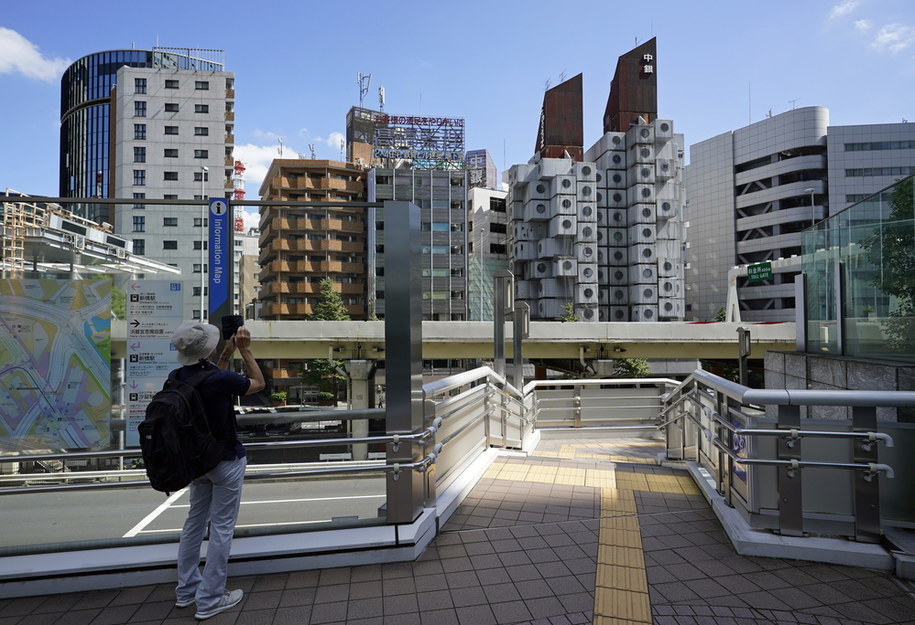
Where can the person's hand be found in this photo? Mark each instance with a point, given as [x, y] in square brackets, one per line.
[241, 339]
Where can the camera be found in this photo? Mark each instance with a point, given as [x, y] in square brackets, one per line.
[231, 323]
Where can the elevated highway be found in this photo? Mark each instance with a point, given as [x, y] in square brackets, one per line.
[474, 339]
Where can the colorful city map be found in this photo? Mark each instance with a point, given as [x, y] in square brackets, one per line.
[55, 364]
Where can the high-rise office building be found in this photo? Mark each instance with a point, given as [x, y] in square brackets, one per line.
[600, 232]
[151, 124]
[481, 170]
[487, 249]
[419, 159]
[753, 191]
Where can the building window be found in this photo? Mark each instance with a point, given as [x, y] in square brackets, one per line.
[139, 131]
[170, 222]
[169, 245]
[201, 85]
[139, 246]
[139, 154]
[197, 268]
[171, 107]
[201, 131]
[171, 130]
[139, 196]
[170, 175]
[201, 153]
[171, 84]
[201, 176]
[139, 223]
[197, 245]
[171, 153]
[497, 227]
[139, 177]
[197, 221]
[139, 85]
[139, 109]
[201, 108]
[170, 196]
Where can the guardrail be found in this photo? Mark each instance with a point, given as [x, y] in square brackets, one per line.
[771, 458]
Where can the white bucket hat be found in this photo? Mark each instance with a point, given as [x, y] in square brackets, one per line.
[194, 341]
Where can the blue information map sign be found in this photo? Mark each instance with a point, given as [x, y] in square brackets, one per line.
[221, 259]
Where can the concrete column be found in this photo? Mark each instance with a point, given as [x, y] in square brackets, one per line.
[362, 381]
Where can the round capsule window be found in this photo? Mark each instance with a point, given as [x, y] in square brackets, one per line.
[588, 272]
[646, 252]
[617, 159]
[644, 132]
[646, 232]
[668, 286]
[668, 306]
[646, 192]
[567, 264]
[649, 313]
[645, 152]
[647, 293]
[541, 188]
[618, 275]
[541, 267]
[585, 171]
[566, 183]
[617, 236]
[665, 127]
[566, 223]
[541, 208]
[587, 232]
[567, 203]
[646, 173]
[617, 255]
[618, 314]
[665, 206]
[646, 273]
[617, 197]
[586, 191]
[589, 292]
[587, 251]
[616, 140]
[586, 211]
[668, 265]
[599, 178]
[646, 212]
[617, 216]
[618, 294]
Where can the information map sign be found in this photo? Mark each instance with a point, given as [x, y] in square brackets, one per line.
[221, 260]
[154, 310]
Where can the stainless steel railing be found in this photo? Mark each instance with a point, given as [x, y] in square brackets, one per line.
[774, 460]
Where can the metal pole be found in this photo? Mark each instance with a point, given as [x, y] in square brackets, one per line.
[203, 238]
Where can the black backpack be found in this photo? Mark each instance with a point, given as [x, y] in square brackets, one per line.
[175, 437]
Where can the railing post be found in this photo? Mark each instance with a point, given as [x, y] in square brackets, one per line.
[362, 378]
[577, 404]
[790, 500]
[866, 483]
[403, 336]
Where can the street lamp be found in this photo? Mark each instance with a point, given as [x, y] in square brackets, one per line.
[811, 191]
[203, 238]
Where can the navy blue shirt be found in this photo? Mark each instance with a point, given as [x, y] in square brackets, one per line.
[218, 394]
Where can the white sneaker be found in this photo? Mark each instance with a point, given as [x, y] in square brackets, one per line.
[229, 600]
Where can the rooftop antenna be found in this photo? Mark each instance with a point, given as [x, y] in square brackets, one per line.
[562, 76]
[343, 150]
[381, 98]
[311, 147]
[280, 148]
[363, 80]
[546, 85]
[793, 103]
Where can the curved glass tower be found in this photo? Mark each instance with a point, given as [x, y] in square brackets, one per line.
[85, 109]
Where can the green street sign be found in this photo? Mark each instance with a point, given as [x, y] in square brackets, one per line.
[759, 272]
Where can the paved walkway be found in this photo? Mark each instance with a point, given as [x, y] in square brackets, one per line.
[577, 533]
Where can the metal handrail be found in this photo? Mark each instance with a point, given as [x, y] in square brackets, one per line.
[799, 464]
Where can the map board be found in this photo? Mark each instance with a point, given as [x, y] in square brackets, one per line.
[55, 364]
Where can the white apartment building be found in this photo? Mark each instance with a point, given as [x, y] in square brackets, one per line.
[172, 138]
[488, 249]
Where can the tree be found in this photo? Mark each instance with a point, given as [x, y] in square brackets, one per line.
[721, 315]
[891, 250]
[568, 313]
[118, 303]
[631, 368]
[326, 373]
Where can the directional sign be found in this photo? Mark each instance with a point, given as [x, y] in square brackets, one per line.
[759, 272]
[154, 310]
[222, 258]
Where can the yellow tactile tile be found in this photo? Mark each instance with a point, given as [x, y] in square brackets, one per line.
[610, 620]
[624, 604]
[600, 479]
[624, 523]
[621, 556]
[621, 538]
[622, 578]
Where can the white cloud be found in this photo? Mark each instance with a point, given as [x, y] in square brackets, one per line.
[894, 38]
[863, 25]
[843, 8]
[18, 55]
[333, 140]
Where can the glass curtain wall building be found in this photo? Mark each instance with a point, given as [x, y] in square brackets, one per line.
[860, 285]
[85, 110]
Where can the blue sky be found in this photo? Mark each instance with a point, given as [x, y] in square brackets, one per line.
[721, 64]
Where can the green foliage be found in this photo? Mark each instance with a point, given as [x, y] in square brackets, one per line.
[721, 315]
[330, 306]
[631, 368]
[891, 250]
[278, 395]
[118, 303]
[568, 313]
